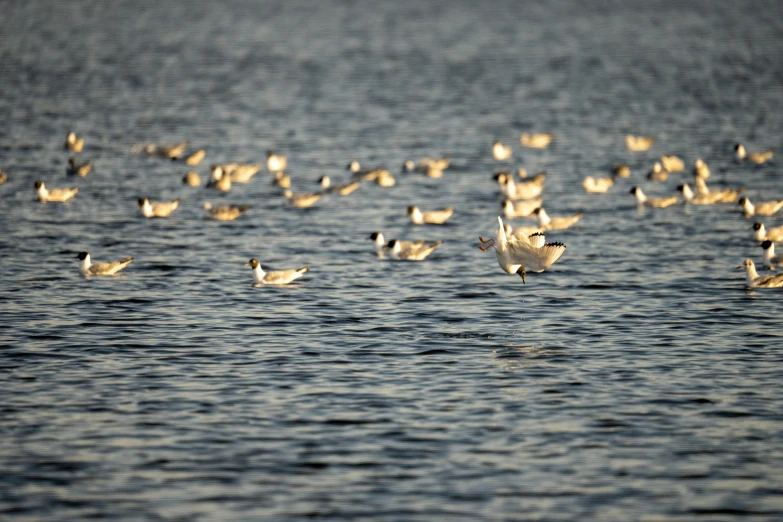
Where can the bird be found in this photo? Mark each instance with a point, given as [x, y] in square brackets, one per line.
[219, 180]
[555, 222]
[662, 202]
[343, 190]
[622, 171]
[432, 217]
[380, 176]
[56, 194]
[700, 169]
[3, 177]
[638, 143]
[412, 252]
[279, 277]
[172, 151]
[501, 152]
[536, 141]
[672, 164]
[517, 255]
[431, 167]
[195, 158]
[754, 280]
[701, 199]
[527, 189]
[382, 247]
[658, 173]
[765, 208]
[275, 162]
[756, 157]
[73, 143]
[303, 200]
[522, 232]
[597, 185]
[224, 212]
[724, 195]
[157, 209]
[78, 169]
[770, 259]
[514, 209]
[239, 172]
[87, 268]
[282, 180]
[192, 179]
[773, 234]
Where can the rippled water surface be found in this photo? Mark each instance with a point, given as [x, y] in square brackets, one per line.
[635, 380]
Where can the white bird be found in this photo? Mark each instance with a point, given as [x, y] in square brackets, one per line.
[724, 195]
[78, 169]
[765, 208]
[74, 143]
[501, 152]
[663, 202]
[412, 252]
[343, 190]
[224, 212]
[88, 268]
[219, 180]
[658, 173]
[280, 277]
[431, 167]
[195, 158]
[638, 143]
[3, 177]
[536, 140]
[700, 169]
[56, 194]
[773, 234]
[770, 259]
[754, 280]
[622, 171]
[516, 256]
[432, 217]
[282, 180]
[172, 151]
[527, 189]
[382, 247]
[524, 208]
[756, 157]
[157, 209]
[555, 222]
[380, 176]
[275, 162]
[672, 163]
[303, 200]
[239, 172]
[192, 179]
[700, 199]
[597, 185]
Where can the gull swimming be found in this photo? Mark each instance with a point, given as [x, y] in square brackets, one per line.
[279, 277]
[282, 180]
[556, 222]
[157, 209]
[237, 172]
[756, 157]
[432, 217]
[724, 195]
[55, 194]
[672, 163]
[380, 176]
[431, 167]
[88, 268]
[343, 190]
[224, 212]
[382, 247]
[536, 141]
[3, 177]
[303, 200]
[658, 173]
[765, 208]
[754, 280]
[524, 208]
[219, 180]
[172, 151]
[73, 143]
[501, 152]
[662, 202]
[516, 255]
[700, 169]
[195, 158]
[622, 170]
[597, 185]
[192, 179]
[770, 259]
[638, 143]
[78, 169]
[701, 199]
[527, 189]
[411, 252]
[773, 234]
[275, 162]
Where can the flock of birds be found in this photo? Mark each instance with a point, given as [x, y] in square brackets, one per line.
[518, 250]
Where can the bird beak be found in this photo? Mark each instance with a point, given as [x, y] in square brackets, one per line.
[741, 266]
[247, 264]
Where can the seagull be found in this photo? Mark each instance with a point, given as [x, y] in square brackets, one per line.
[412, 252]
[501, 152]
[88, 268]
[773, 234]
[638, 143]
[195, 158]
[303, 200]
[725, 195]
[219, 180]
[172, 151]
[597, 185]
[514, 209]
[700, 169]
[672, 164]
[157, 209]
[275, 162]
[56, 194]
[78, 169]
[756, 157]
[701, 199]
[622, 171]
[770, 259]
[73, 143]
[380, 176]
[536, 141]
[282, 180]
[432, 217]
[239, 172]
[343, 190]
[527, 189]
[765, 208]
[381, 245]
[641, 199]
[555, 222]
[432, 167]
[192, 179]
[3, 177]
[281, 277]
[754, 280]
[224, 212]
[658, 173]
[514, 255]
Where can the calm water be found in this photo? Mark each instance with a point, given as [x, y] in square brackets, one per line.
[635, 380]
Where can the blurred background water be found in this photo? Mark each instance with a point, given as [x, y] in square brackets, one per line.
[635, 380]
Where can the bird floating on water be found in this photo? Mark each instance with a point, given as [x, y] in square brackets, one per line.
[556, 222]
[770, 259]
[73, 143]
[661, 202]
[501, 152]
[672, 164]
[773, 234]
[275, 162]
[658, 173]
[765, 208]
[87, 268]
[55, 194]
[597, 185]
[431, 167]
[754, 280]
[638, 143]
[536, 141]
[157, 209]
[756, 157]
[195, 158]
[279, 277]
[700, 169]
[225, 212]
[412, 251]
[431, 217]
[343, 190]
[303, 200]
[78, 169]
[192, 179]
[382, 246]
[524, 208]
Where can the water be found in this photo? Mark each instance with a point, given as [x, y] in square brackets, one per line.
[636, 380]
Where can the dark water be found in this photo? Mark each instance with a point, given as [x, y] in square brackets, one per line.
[635, 380]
